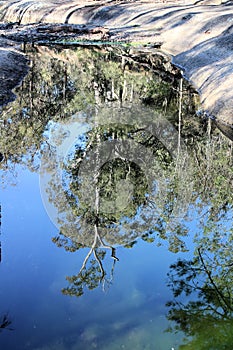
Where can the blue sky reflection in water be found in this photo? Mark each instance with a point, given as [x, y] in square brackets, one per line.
[126, 300]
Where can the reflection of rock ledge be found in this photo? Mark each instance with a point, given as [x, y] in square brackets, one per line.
[199, 37]
[13, 68]
[226, 129]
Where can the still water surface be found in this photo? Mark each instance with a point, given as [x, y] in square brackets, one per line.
[116, 209]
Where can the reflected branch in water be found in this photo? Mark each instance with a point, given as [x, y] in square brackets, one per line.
[92, 274]
[5, 322]
[202, 307]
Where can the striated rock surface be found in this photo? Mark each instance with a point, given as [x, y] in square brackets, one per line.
[198, 35]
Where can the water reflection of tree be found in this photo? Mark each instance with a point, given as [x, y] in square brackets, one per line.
[109, 82]
[210, 195]
[62, 83]
[103, 216]
[40, 98]
[5, 322]
[203, 296]
[209, 274]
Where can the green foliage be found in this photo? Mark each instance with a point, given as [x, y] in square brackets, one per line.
[206, 312]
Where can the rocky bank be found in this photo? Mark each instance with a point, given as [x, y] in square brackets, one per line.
[198, 36]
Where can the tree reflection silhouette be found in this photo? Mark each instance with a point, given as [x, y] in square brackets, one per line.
[203, 300]
[112, 204]
[5, 322]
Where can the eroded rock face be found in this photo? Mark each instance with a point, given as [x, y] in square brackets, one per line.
[198, 35]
